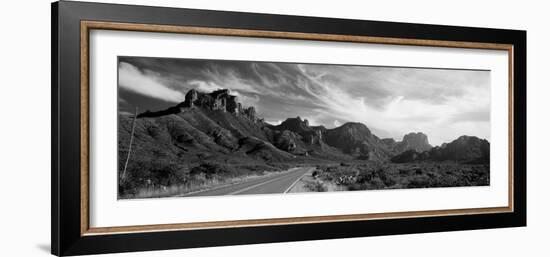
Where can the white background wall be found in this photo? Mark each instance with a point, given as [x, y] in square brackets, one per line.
[25, 127]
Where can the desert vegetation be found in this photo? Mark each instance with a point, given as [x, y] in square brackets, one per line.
[373, 175]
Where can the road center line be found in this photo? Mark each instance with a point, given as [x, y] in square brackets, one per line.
[257, 185]
[233, 184]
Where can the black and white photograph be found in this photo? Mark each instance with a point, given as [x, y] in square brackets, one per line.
[196, 127]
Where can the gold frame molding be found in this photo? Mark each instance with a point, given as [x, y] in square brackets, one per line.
[87, 26]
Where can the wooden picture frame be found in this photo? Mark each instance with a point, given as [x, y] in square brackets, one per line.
[71, 26]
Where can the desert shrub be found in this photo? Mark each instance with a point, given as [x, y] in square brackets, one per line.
[448, 181]
[255, 169]
[474, 177]
[209, 169]
[279, 166]
[315, 186]
[404, 172]
[365, 176]
[315, 173]
[375, 183]
[143, 173]
[357, 187]
[367, 180]
[153, 131]
[419, 182]
[364, 157]
[385, 178]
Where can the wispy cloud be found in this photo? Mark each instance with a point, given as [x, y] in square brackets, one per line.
[461, 104]
[146, 83]
[204, 86]
[444, 104]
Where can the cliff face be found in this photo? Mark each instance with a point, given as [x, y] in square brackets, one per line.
[308, 134]
[357, 140]
[413, 141]
[465, 149]
[219, 100]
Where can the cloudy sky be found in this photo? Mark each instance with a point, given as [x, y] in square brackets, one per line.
[391, 101]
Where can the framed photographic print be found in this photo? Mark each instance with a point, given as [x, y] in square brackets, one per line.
[178, 128]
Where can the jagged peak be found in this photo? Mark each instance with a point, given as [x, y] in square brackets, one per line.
[217, 100]
[354, 125]
[465, 138]
[352, 129]
[295, 124]
[417, 141]
[416, 136]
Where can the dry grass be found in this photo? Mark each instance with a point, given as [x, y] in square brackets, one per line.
[195, 185]
[366, 176]
[152, 179]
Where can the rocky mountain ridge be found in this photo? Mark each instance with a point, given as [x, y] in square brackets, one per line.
[465, 149]
[218, 100]
[216, 125]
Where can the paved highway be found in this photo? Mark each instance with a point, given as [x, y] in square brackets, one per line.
[279, 183]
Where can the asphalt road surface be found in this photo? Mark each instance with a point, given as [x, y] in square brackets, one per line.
[279, 183]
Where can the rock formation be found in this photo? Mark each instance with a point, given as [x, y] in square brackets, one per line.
[233, 105]
[389, 144]
[218, 100]
[190, 98]
[413, 141]
[250, 113]
[356, 139]
[287, 141]
[465, 149]
[309, 134]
